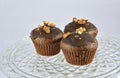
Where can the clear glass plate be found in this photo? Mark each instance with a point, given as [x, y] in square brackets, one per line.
[21, 61]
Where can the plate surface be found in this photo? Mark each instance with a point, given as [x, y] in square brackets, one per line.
[21, 61]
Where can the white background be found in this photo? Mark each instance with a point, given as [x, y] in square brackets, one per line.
[19, 17]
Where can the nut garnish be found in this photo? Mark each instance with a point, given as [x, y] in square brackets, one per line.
[65, 35]
[52, 24]
[75, 20]
[42, 24]
[46, 29]
[46, 26]
[82, 21]
[45, 22]
[80, 30]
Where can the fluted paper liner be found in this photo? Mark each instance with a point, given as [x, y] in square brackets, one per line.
[47, 49]
[79, 56]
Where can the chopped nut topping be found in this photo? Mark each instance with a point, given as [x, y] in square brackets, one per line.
[80, 30]
[42, 24]
[46, 26]
[46, 29]
[84, 29]
[45, 23]
[52, 24]
[75, 20]
[65, 35]
[82, 21]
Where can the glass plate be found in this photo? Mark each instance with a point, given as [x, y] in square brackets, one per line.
[21, 61]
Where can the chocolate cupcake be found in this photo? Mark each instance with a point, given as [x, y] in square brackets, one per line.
[46, 39]
[77, 23]
[79, 47]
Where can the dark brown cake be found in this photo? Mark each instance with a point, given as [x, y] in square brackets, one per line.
[46, 39]
[77, 23]
[79, 47]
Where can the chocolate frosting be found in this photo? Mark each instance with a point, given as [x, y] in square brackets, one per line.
[79, 39]
[72, 26]
[55, 34]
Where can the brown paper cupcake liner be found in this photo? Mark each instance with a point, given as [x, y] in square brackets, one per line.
[47, 49]
[79, 56]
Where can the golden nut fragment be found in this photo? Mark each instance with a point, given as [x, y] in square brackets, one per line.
[80, 30]
[75, 20]
[42, 24]
[84, 29]
[82, 21]
[51, 24]
[65, 35]
[46, 29]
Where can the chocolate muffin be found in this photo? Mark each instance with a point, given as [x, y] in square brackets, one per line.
[79, 47]
[46, 39]
[77, 23]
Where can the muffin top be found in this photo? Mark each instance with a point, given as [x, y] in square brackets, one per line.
[76, 23]
[78, 38]
[46, 30]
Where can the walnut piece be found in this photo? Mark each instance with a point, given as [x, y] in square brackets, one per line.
[45, 22]
[52, 24]
[65, 35]
[46, 26]
[80, 30]
[42, 24]
[75, 20]
[46, 29]
[82, 21]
